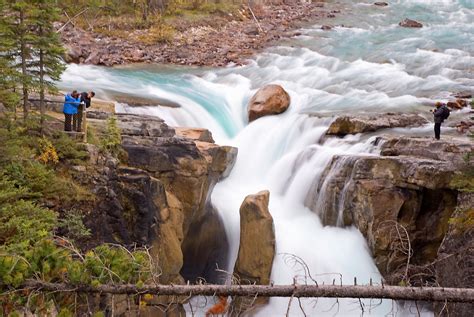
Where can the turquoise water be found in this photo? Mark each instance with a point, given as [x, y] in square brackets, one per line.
[369, 65]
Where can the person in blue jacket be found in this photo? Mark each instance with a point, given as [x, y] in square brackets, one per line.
[71, 103]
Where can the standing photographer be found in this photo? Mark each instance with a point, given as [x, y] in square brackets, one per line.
[85, 99]
[440, 114]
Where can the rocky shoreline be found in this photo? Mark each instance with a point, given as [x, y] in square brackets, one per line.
[226, 39]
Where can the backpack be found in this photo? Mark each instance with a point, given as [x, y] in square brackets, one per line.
[446, 113]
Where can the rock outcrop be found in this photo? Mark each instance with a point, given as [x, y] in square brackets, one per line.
[401, 202]
[196, 134]
[407, 23]
[257, 246]
[457, 104]
[268, 100]
[451, 151]
[159, 197]
[455, 264]
[462, 94]
[352, 125]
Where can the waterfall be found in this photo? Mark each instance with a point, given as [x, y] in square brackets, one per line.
[371, 66]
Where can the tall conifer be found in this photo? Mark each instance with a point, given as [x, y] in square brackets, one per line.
[10, 76]
[48, 51]
[30, 50]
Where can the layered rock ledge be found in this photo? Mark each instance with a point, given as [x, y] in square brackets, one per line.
[403, 202]
[345, 125]
[158, 195]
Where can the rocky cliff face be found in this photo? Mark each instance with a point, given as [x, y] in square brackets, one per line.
[159, 197]
[401, 201]
[455, 263]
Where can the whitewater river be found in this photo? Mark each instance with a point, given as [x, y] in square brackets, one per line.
[368, 65]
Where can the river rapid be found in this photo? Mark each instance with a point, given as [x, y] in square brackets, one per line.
[365, 64]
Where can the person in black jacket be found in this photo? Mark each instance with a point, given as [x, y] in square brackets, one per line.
[85, 101]
[440, 113]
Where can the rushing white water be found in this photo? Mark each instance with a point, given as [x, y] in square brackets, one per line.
[371, 65]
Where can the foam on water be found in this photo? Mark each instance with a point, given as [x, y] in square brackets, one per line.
[373, 66]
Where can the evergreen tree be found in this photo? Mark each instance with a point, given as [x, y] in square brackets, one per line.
[9, 96]
[48, 51]
[16, 44]
[30, 50]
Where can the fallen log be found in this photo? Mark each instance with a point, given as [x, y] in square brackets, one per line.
[431, 294]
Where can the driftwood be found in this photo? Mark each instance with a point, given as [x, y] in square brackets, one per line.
[254, 17]
[431, 294]
[71, 20]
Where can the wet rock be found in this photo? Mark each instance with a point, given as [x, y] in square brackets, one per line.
[352, 125]
[379, 195]
[257, 246]
[196, 134]
[268, 100]
[326, 27]
[139, 101]
[381, 4]
[457, 104]
[463, 95]
[405, 196]
[407, 23]
[221, 159]
[464, 127]
[73, 54]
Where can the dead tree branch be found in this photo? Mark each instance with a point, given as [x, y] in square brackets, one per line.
[432, 294]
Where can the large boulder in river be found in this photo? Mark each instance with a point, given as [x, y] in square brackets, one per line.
[407, 23]
[366, 123]
[268, 100]
[257, 246]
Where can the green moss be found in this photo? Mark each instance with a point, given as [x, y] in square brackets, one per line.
[464, 220]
